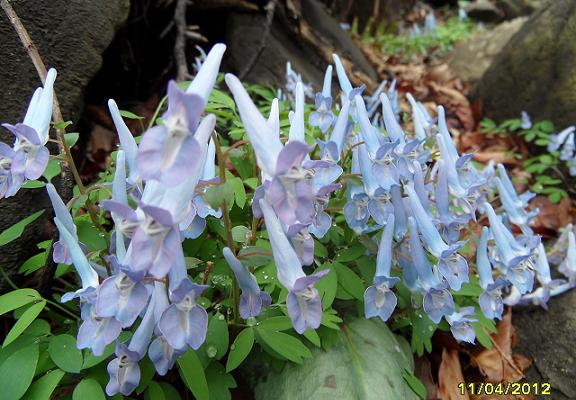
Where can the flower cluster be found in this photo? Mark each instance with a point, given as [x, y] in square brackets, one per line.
[28, 157]
[416, 188]
[566, 143]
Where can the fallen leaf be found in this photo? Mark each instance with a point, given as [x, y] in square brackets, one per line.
[450, 376]
[498, 364]
[552, 216]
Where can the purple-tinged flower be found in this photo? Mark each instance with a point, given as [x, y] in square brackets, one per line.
[395, 132]
[460, 324]
[302, 242]
[338, 135]
[400, 214]
[370, 135]
[61, 251]
[380, 206]
[87, 275]
[568, 266]
[12, 165]
[518, 260]
[167, 152]
[96, 333]
[525, 121]
[451, 224]
[384, 168]
[356, 212]
[121, 297]
[491, 299]
[379, 300]
[323, 116]
[558, 140]
[297, 125]
[520, 201]
[516, 215]
[127, 143]
[124, 371]
[557, 253]
[205, 79]
[373, 101]
[252, 299]
[422, 121]
[303, 301]
[184, 323]
[438, 301]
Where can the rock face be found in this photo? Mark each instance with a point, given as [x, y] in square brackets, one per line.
[548, 338]
[71, 36]
[244, 33]
[518, 8]
[535, 70]
[473, 57]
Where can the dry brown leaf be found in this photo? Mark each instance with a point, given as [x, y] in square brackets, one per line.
[450, 376]
[503, 157]
[498, 364]
[552, 216]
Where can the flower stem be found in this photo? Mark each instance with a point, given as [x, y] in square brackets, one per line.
[227, 223]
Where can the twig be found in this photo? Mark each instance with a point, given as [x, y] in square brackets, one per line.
[270, 8]
[180, 44]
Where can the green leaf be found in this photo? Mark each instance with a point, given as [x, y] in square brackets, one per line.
[239, 191]
[170, 391]
[34, 263]
[52, 169]
[217, 336]
[219, 382]
[17, 298]
[33, 185]
[350, 254]
[17, 372]
[365, 363]
[24, 321]
[415, 384]
[65, 354]
[216, 195]
[130, 115]
[42, 388]
[481, 335]
[279, 323]
[16, 230]
[252, 183]
[312, 336]
[349, 281]
[62, 124]
[285, 345]
[71, 138]
[239, 233]
[193, 375]
[89, 234]
[154, 392]
[327, 286]
[88, 389]
[240, 349]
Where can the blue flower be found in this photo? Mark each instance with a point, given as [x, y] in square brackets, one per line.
[252, 299]
[323, 116]
[127, 143]
[460, 324]
[525, 121]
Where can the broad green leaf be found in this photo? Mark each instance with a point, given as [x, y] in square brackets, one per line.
[17, 372]
[349, 281]
[154, 392]
[33, 185]
[34, 263]
[219, 382]
[16, 230]
[239, 191]
[481, 335]
[312, 336]
[285, 345]
[52, 169]
[327, 286]
[415, 384]
[89, 234]
[240, 349]
[367, 363]
[192, 374]
[71, 138]
[279, 323]
[239, 233]
[146, 374]
[350, 254]
[88, 389]
[42, 388]
[17, 298]
[216, 195]
[217, 337]
[65, 354]
[24, 321]
[170, 391]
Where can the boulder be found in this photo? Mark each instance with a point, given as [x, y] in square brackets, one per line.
[71, 35]
[535, 71]
[472, 57]
[287, 42]
[519, 8]
[484, 11]
[547, 336]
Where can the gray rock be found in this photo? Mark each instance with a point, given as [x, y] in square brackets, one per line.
[243, 36]
[485, 11]
[548, 338]
[472, 57]
[519, 8]
[535, 70]
[71, 35]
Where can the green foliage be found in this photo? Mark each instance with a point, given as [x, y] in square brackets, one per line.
[406, 45]
[546, 173]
